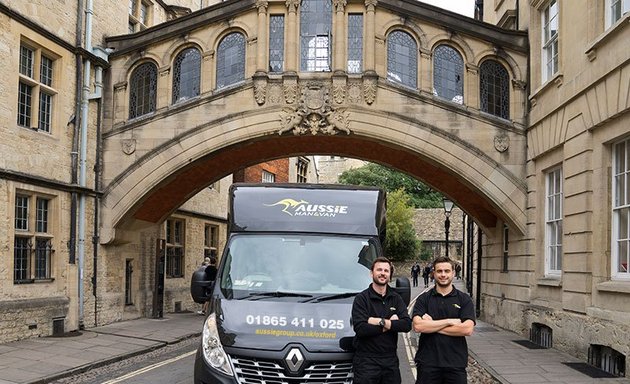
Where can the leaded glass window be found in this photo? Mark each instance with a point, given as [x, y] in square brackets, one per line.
[402, 59]
[550, 40]
[35, 89]
[32, 244]
[143, 85]
[494, 89]
[448, 74]
[186, 75]
[231, 60]
[553, 222]
[276, 43]
[355, 43]
[621, 211]
[315, 35]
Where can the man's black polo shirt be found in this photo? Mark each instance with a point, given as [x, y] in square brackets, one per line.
[435, 349]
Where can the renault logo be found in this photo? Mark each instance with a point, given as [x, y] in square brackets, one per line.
[294, 360]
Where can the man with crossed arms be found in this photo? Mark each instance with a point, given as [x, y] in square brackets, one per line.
[444, 316]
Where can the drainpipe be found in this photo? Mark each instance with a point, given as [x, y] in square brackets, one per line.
[83, 153]
[98, 92]
[72, 242]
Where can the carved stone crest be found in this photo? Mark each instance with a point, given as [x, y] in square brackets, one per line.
[501, 142]
[354, 93]
[275, 94]
[314, 114]
[129, 146]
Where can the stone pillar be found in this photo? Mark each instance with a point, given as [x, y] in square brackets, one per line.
[261, 45]
[163, 88]
[471, 86]
[208, 71]
[339, 59]
[426, 81]
[370, 36]
[292, 43]
[121, 103]
[518, 101]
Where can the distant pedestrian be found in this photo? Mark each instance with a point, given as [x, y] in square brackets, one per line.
[415, 271]
[378, 315]
[210, 265]
[458, 271]
[443, 316]
[426, 271]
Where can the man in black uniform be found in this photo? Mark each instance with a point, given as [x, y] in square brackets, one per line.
[443, 316]
[378, 314]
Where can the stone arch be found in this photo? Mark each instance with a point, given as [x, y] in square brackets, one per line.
[134, 61]
[218, 34]
[412, 28]
[502, 57]
[455, 42]
[179, 45]
[159, 181]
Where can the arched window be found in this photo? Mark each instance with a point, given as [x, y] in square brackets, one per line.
[315, 35]
[494, 89]
[231, 60]
[143, 88]
[186, 75]
[448, 74]
[402, 59]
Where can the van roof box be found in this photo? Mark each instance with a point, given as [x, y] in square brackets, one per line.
[313, 208]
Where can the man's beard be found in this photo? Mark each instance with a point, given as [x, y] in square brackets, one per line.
[376, 281]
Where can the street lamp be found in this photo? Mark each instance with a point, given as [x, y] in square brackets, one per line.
[448, 207]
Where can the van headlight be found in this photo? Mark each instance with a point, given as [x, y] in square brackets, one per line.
[213, 351]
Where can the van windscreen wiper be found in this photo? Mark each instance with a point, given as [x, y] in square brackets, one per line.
[331, 297]
[262, 295]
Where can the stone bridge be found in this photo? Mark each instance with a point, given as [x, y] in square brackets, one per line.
[439, 96]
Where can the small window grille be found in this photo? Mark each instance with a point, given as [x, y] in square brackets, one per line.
[541, 334]
[607, 359]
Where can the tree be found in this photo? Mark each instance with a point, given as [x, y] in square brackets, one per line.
[420, 195]
[401, 241]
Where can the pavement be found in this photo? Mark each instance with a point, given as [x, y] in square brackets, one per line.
[44, 359]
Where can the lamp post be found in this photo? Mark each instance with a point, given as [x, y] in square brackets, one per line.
[448, 207]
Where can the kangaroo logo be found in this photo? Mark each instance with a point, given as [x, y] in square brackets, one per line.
[288, 203]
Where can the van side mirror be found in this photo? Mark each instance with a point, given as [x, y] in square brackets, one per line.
[403, 288]
[200, 285]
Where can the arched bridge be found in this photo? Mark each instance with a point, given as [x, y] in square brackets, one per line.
[437, 95]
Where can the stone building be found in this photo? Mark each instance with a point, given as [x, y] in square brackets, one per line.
[429, 225]
[568, 279]
[112, 141]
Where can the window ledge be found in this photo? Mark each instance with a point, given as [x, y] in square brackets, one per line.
[550, 281]
[591, 50]
[556, 79]
[617, 286]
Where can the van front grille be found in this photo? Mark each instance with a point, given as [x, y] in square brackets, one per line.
[259, 371]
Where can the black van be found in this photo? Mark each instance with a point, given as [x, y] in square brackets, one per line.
[280, 308]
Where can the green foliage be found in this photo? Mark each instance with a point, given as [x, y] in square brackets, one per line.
[420, 195]
[401, 242]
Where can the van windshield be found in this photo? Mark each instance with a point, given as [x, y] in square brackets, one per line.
[309, 264]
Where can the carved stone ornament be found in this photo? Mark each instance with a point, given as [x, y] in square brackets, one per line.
[314, 114]
[501, 143]
[339, 93]
[260, 91]
[274, 95]
[290, 92]
[129, 146]
[354, 93]
[369, 90]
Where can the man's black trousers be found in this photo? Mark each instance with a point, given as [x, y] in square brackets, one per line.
[376, 370]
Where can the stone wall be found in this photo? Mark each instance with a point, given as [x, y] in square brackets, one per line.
[25, 318]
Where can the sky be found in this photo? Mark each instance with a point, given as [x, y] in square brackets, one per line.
[464, 7]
